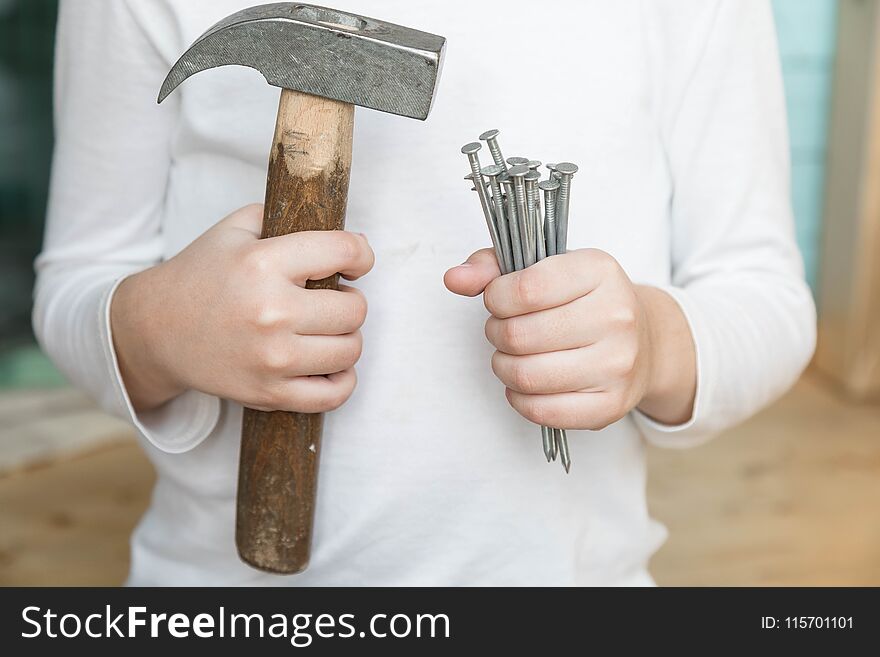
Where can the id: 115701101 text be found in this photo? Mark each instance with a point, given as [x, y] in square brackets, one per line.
[807, 623]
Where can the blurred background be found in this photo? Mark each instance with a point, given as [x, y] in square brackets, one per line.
[789, 498]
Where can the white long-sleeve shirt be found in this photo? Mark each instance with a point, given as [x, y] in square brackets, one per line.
[674, 111]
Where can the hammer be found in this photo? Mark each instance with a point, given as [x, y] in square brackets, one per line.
[325, 62]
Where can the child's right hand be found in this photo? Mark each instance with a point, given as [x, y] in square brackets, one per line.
[230, 316]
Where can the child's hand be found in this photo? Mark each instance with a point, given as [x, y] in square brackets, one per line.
[230, 316]
[576, 340]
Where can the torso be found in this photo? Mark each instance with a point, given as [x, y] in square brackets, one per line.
[427, 476]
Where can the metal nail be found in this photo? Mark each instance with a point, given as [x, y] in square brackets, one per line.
[470, 177]
[518, 173]
[513, 221]
[563, 450]
[547, 440]
[549, 188]
[563, 201]
[491, 139]
[534, 202]
[470, 150]
[491, 173]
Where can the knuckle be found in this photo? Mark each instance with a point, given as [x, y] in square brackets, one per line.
[351, 353]
[617, 407]
[359, 309]
[257, 262]
[528, 288]
[270, 397]
[596, 421]
[490, 297]
[339, 394]
[326, 403]
[497, 369]
[598, 424]
[267, 315]
[348, 245]
[272, 359]
[369, 254]
[535, 410]
[491, 331]
[522, 377]
[624, 316]
[512, 337]
[348, 314]
[623, 362]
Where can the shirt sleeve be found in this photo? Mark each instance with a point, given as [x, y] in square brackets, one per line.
[109, 175]
[737, 273]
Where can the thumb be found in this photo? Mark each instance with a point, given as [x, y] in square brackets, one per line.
[472, 276]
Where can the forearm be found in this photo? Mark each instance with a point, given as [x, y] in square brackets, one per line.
[672, 384]
[134, 325]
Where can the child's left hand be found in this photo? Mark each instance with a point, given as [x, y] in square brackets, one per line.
[577, 341]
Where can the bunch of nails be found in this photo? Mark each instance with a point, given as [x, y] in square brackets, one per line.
[510, 194]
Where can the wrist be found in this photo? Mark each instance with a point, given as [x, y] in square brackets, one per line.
[137, 328]
[671, 389]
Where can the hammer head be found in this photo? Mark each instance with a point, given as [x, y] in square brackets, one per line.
[323, 52]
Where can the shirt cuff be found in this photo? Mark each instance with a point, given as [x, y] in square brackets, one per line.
[698, 429]
[177, 426]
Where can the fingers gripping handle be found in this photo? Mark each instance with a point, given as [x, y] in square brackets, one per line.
[306, 189]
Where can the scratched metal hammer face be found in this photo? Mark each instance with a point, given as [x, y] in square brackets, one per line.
[325, 62]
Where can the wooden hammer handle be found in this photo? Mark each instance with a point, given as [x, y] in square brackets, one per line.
[307, 188]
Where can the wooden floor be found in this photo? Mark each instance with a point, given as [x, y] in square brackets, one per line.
[68, 523]
[790, 497]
